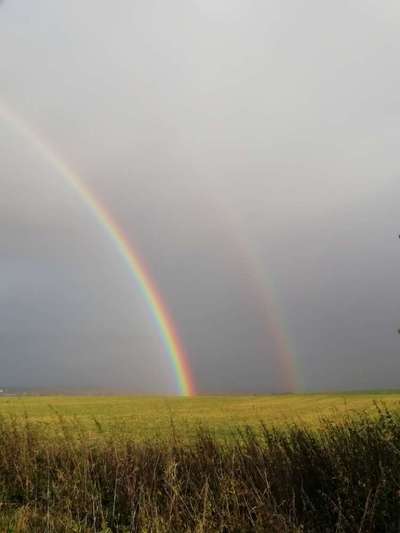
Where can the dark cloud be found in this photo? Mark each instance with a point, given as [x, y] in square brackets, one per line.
[249, 150]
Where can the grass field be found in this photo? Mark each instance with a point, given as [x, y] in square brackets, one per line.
[129, 464]
[148, 417]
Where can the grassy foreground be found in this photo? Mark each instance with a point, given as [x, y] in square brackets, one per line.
[338, 476]
[144, 418]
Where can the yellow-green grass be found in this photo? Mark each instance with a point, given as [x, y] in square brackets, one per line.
[159, 417]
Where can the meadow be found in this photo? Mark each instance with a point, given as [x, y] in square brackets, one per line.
[296, 464]
[143, 418]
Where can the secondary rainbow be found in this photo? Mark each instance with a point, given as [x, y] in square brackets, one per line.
[163, 319]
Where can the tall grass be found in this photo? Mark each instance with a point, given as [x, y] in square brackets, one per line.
[343, 477]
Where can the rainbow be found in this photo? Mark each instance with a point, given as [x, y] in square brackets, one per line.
[158, 309]
[264, 294]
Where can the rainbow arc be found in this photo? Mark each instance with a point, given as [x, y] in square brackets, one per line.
[162, 317]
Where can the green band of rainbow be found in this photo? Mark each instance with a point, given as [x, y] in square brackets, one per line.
[162, 318]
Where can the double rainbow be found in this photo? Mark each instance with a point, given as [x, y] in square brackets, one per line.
[160, 314]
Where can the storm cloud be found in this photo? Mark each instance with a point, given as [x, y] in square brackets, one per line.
[249, 149]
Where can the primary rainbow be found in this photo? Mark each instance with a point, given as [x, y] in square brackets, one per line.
[163, 319]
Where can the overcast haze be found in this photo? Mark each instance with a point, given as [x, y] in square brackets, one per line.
[250, 151]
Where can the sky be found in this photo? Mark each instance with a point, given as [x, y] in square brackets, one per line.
[249, 151]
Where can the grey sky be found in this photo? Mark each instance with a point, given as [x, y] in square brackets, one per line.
[249, 148]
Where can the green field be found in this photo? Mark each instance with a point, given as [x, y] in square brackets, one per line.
[119, 464]
[155, 417]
